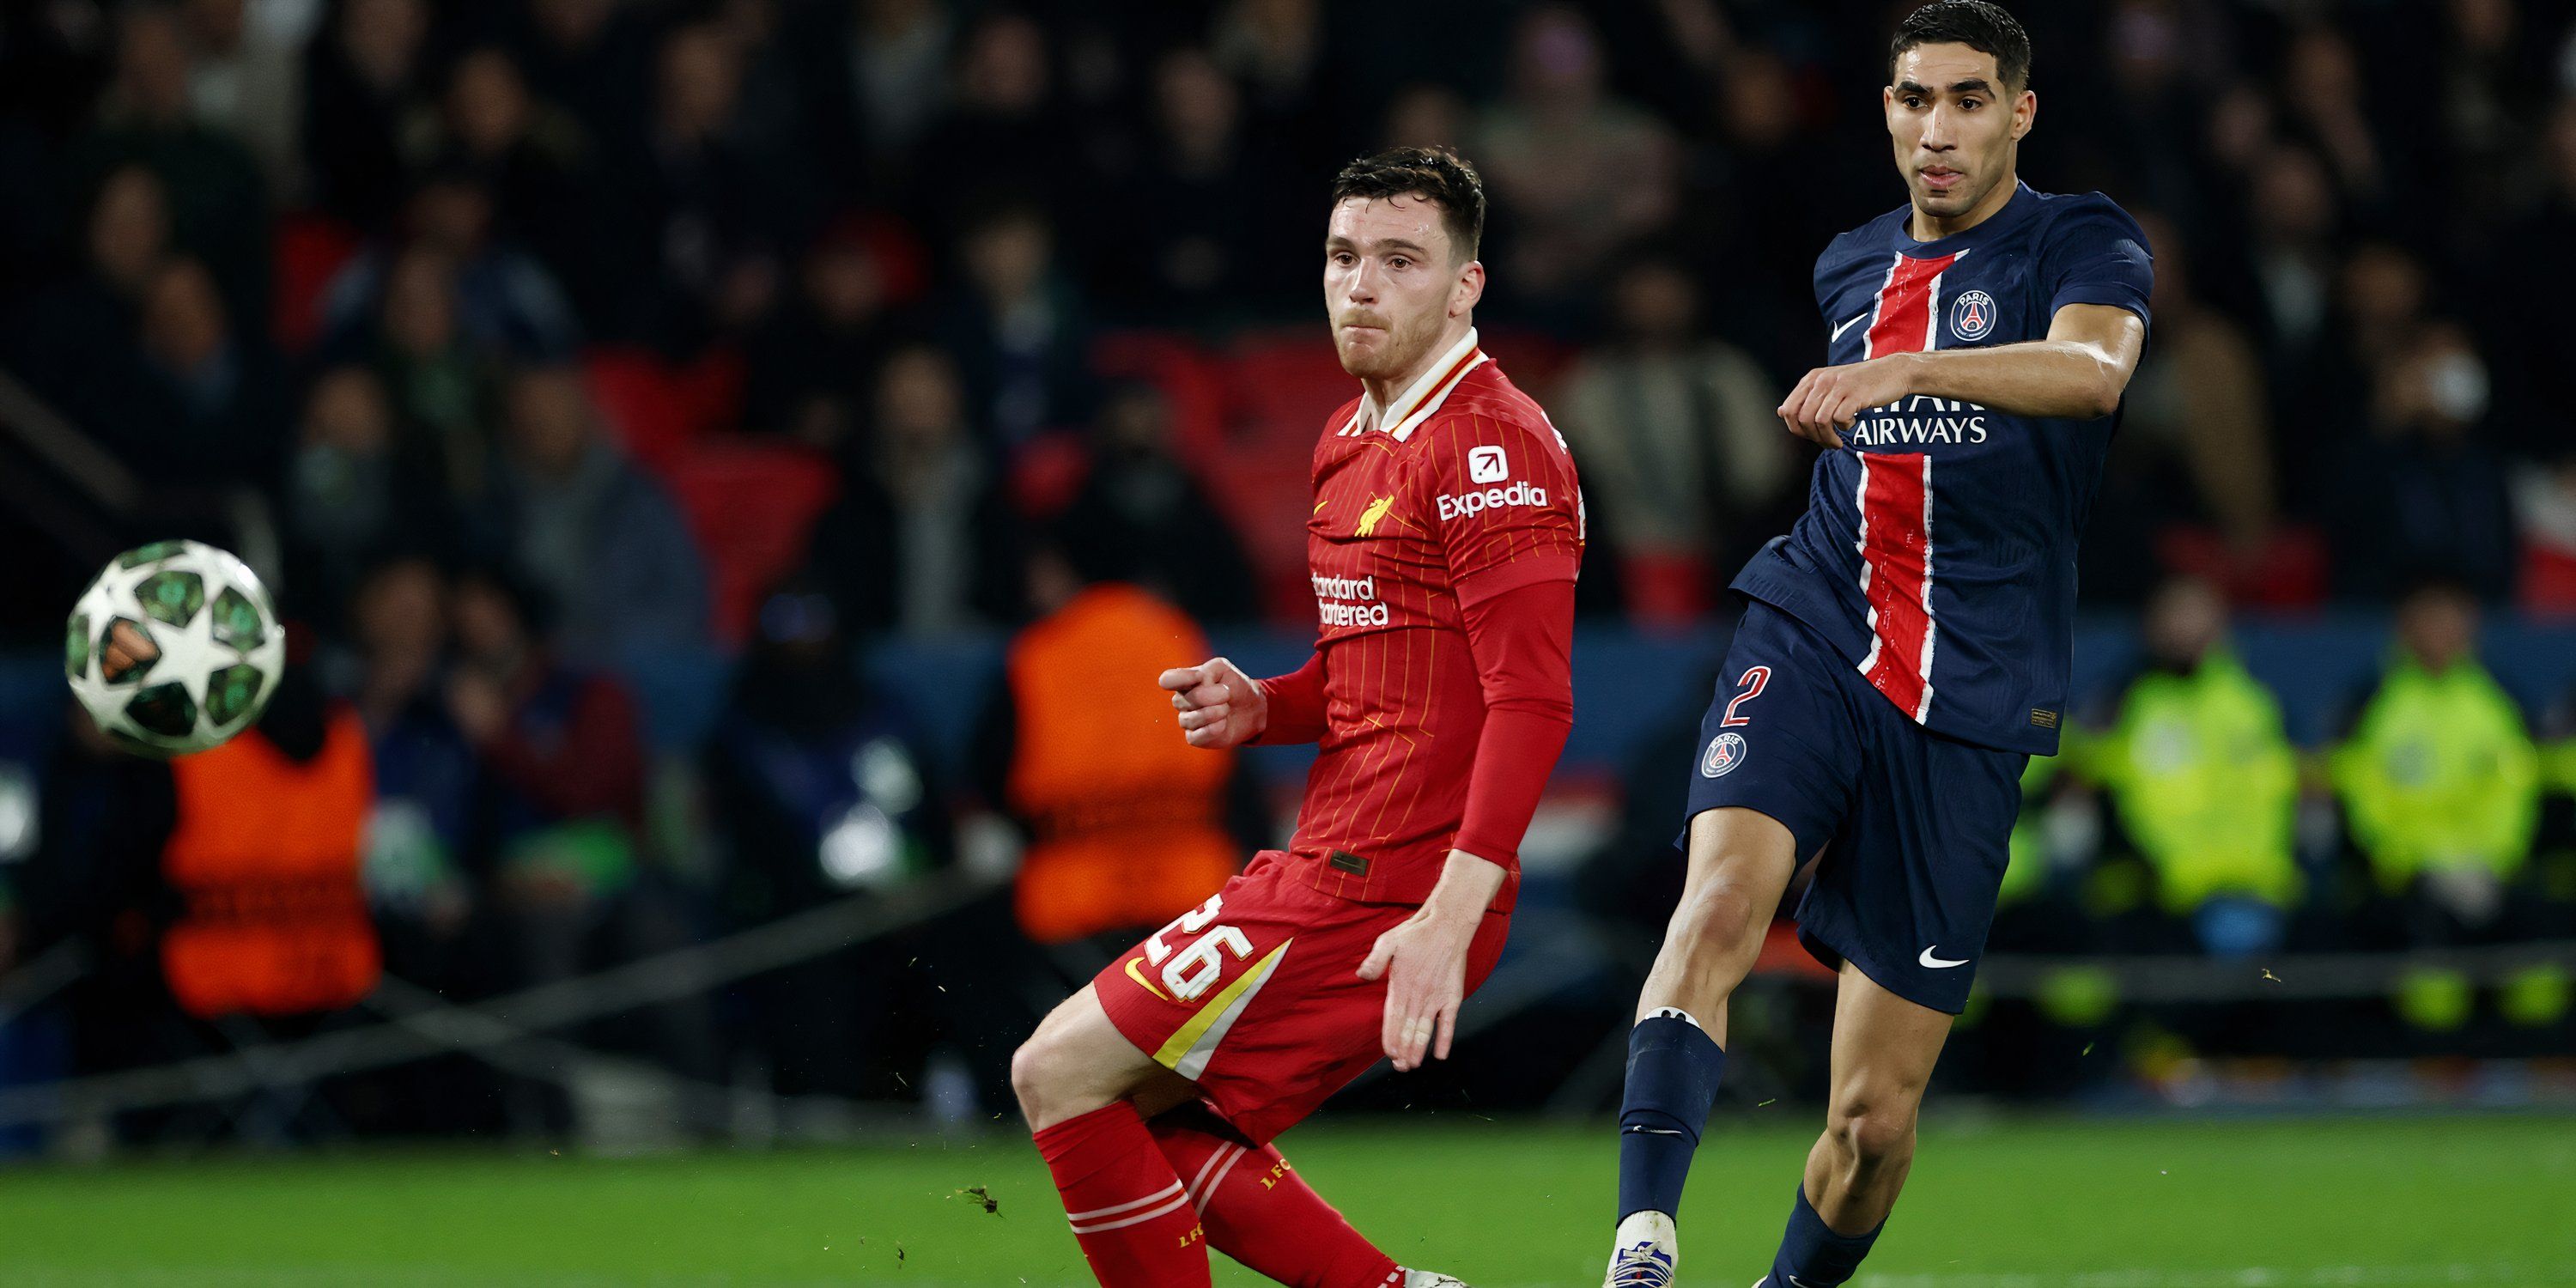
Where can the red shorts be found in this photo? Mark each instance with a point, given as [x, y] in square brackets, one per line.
[1256, 995]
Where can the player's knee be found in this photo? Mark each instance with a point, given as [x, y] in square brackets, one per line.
[1032, 1074]
[1718, 921]
[1872, 1134]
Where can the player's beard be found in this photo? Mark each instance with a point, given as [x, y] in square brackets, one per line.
[1403, 344]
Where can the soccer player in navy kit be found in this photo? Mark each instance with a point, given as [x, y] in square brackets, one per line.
[1904, 649]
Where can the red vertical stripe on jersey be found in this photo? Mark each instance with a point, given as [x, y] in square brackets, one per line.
[1896, 575]
[1905, 305]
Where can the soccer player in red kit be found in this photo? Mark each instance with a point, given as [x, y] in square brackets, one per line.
[1443, 543]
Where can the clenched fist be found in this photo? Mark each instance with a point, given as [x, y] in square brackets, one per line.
[1220, 706]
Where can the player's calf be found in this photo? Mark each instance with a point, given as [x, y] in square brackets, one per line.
[1076, 1078]
[1740, 863]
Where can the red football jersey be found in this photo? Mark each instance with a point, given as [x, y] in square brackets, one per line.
[1462, 486]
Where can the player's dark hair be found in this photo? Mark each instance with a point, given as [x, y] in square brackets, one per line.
[1979, 25]
[1435, 174]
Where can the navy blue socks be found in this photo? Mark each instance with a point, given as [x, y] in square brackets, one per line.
[1673, 1067]
[1812, 1255]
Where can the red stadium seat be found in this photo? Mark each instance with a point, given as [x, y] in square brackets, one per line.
[1192, 383]
[308, 250]
[752, 506]
[2548, 581]
[650, 409]
[2288, 570]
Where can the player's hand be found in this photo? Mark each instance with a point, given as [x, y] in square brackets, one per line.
[1424, 964]
[1220, 706]
[1828, 400]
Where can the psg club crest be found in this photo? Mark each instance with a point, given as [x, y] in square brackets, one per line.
[1725, 752]
[1972, 315]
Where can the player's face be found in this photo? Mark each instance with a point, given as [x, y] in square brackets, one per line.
[1954, 123]
[1392, 283]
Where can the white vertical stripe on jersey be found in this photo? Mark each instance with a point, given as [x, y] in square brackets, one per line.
[1931, 621]
[1860, 503]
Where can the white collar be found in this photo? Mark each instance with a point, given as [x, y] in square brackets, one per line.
[1423, 396]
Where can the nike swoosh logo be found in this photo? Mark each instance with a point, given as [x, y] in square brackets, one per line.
[1927, 960]
[1855, 319]
[1139, 977]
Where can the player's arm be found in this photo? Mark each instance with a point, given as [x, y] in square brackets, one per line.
[1222, 707]
[2078, 373]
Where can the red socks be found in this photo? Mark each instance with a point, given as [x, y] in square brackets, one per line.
[1262, 1214]
[1135, 1223]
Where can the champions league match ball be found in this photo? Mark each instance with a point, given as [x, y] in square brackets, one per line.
[174, 648]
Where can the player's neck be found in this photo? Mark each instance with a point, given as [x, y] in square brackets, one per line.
[1926, 227]
[1384, 392]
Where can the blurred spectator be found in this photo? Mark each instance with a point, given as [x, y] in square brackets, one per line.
[810, 364]
[1142, 517]
[2325, 101]
[593, 58]
[248, 80]
[352, 493]
[1005, 116]
[600, 539]
[2199, 403]
[218, 205]
[1207, 234]
[1126, 822]
[1425, 115]
[444, 391]
[506, 304]
[539, 166]
[891, 62]
[563, 768]
[1279, 53]
[922, 540]
[715, 203]
[2291, 251]
[361, 79]
[2439, 777]
[217, 422]
[1677, 438]
[421, 839]
[2423, 489]
[2203, 778]
[2524, 274]
[817, 790]
[1574, 172]
[1017, 329]
[75, 343]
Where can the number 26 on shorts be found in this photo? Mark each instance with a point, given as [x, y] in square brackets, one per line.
[1195, 969]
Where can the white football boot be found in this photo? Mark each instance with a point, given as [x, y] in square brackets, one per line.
[1431, 1279]
[1644, 1252]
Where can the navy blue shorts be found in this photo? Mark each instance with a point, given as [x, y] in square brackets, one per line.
[1914, 827]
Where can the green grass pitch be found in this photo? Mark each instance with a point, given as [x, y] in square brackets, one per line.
[2311, 1203]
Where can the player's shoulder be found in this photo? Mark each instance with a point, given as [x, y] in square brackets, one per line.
[1487, 407]
[1868, 242]
[2085, 216]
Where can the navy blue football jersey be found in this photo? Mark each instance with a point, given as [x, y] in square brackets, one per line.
[1938, 553]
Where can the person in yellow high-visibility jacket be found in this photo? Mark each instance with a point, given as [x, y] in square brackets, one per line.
[2203, 778]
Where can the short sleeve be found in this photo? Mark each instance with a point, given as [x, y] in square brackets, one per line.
[2097, 254]
[1505, 503]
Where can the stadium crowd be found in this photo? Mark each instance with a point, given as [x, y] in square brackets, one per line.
[574, 342]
